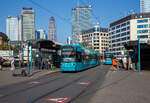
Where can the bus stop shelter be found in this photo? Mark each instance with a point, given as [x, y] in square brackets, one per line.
[132, 46]
[45, 48]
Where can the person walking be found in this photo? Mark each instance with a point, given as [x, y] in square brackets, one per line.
[124, 62]
[13, 65]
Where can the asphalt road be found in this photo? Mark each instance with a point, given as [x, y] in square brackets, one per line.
[59, 87]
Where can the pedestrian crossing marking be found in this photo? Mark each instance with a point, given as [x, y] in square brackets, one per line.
[33, 82]
[84, 83]
[58, 100]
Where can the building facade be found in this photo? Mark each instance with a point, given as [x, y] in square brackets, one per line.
[129, 29]
[52, 29]
[13, 28]
[28, 24]
[40, 34]
[3, 39]
[81, 20]
[144, 6]
[96, 38]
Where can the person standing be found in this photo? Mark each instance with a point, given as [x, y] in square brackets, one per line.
[1, 62]
[115, 64]
[13, 65]
[124, 62]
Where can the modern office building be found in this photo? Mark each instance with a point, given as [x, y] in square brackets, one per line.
[69, 40]
[40, 34]
[129, 29]
[13, 28]
[52, 29]
[96, 38]
[28, 24]
[144, 6]
[81, 20]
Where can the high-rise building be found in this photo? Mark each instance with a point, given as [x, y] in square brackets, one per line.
[144, 6]
[129, 29]
[52, 29]
[13, 28]
[96, 38]
[28, 24]
[81, 20]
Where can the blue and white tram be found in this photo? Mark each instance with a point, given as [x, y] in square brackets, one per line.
[78, 57]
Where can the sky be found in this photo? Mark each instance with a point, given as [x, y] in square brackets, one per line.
[106, 12]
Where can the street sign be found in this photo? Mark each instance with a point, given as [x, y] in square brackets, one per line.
[58, 100]
[84, 83]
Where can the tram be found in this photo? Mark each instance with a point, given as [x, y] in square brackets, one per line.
[108, 57]
[78, 57]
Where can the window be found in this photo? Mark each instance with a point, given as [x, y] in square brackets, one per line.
[128, 22]
[142, 31]
[118, 26]
[124, 24]
[118, 31]
[113, 37]
[118, 35]
[143, 36]
[123, 29]
[142, 21]
[96, 40]
[118, 40]
[142, 26]
[113, 28]
[123, 39]
[128, 33]
[128, 27]
[96, 33]
[95, 37]
[123, 34]
[128, 38]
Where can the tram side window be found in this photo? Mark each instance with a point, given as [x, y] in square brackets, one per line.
[79, 57]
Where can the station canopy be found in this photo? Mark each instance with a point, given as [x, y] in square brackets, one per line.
[46, 44]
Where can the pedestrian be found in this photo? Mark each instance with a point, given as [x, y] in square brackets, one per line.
[120, 63]
[124, 62]
[1, 62]
[13, 65]
[133, 59]
[115, 64]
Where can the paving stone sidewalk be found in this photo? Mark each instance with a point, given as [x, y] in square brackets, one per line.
[6, 77]
[124, 87]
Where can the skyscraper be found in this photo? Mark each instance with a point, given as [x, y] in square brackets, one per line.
[81, 20]
[13, 28]
[144, 6]
[28, 24]
[52, 29]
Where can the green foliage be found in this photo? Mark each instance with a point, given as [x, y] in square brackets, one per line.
[83, 43]
[6, 64]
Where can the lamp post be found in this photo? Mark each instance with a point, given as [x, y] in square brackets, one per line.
[139, 54]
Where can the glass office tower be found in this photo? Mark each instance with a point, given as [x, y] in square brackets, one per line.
[12, 27]
[28, 24]
[81, 20]
[144, 6]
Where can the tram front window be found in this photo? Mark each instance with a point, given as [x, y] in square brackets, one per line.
[68, 54]
[108, 56]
